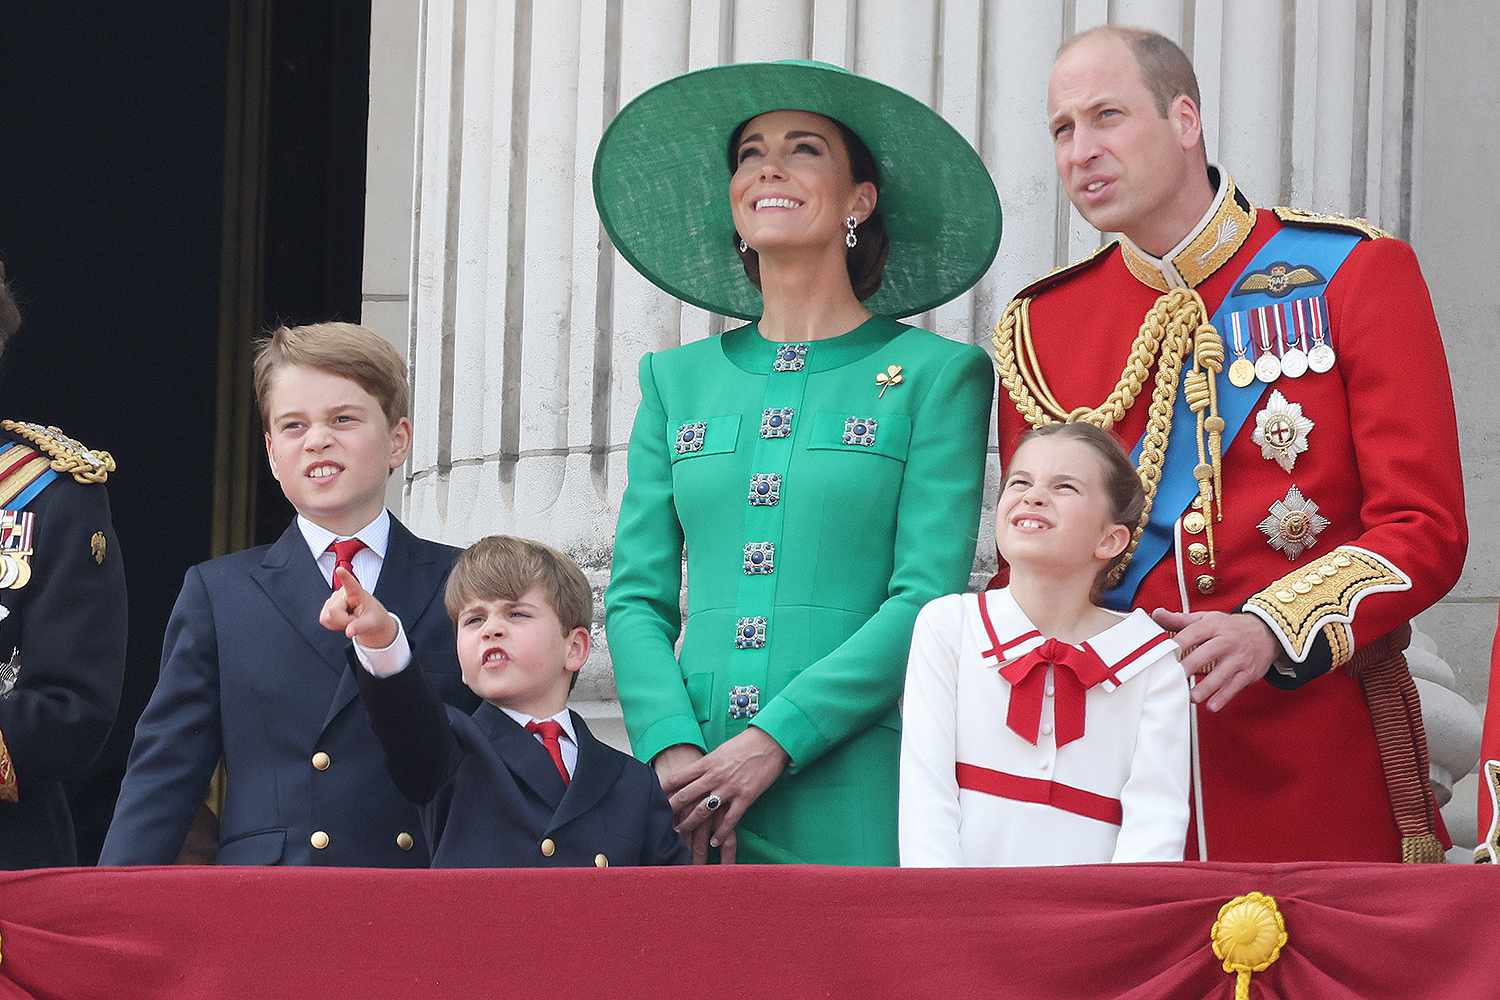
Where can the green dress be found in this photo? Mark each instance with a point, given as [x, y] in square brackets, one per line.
[818, 518]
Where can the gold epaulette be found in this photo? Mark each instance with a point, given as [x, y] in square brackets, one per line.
[1297, 217]
[1058, 274]
[86, 465]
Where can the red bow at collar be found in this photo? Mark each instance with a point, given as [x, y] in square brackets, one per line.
[1074, 671]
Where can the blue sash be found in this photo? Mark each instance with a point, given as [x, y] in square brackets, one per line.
[1325, 250]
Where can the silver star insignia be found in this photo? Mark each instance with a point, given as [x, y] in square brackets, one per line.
[1281, 431]
[1294, 524]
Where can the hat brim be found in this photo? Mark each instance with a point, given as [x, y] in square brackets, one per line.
[661, 184]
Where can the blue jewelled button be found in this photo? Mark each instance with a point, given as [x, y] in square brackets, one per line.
[860, 431]
[765, 489]
[776, 423]
[744, 701]
[690, 437]
[790, 358]
[750, 633]
[760, 558]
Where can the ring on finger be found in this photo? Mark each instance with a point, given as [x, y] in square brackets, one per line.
[713, 802]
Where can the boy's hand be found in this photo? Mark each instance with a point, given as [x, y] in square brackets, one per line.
[355, 612]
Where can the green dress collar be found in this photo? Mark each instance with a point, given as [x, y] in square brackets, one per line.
[748, 350]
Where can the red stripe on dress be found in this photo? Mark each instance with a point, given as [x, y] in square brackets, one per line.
[1046, 793]
[996, 649]
[1111, 672]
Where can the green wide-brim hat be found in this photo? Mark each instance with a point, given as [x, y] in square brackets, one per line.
[661, 184]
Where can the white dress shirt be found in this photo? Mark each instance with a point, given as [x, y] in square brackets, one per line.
[975, 793]
[367, 561]
[394, 658]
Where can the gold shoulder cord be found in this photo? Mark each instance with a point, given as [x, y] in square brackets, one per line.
[1176, 324]
[68, 455]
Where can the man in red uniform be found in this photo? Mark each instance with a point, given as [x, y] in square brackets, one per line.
[1282, 379]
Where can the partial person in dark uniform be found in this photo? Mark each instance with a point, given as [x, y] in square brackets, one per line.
[62, 627]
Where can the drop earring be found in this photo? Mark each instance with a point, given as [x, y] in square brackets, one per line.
[743, 245]
[850, 239]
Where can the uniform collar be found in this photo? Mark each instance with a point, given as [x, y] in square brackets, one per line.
[1221, 232]
[376, 535]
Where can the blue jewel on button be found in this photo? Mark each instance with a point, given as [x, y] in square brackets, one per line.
[690, 437]
[760, 558]
[765, 489]
[860, 431]
[750, 633]
[776, 423]
[790, 358]
[744, 701]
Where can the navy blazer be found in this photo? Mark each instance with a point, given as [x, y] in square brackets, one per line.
[248, 674]
[491, 796]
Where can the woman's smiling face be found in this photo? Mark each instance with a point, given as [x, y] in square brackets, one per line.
[792, 187]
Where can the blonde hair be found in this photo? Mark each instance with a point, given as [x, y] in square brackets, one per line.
[345, 349]
[503, 568]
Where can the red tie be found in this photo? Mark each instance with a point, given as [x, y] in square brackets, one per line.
[550, 731]
[343, 557]
[1074, 672]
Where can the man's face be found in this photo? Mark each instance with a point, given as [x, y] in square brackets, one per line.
[1119, 159]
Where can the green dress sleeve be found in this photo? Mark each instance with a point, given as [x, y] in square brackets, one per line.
[642, 615]
[937, 521]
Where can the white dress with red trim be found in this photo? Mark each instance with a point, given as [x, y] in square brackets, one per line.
[1017, 749]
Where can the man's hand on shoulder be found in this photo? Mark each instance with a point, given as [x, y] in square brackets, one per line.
[1231, 651]
[356, 613]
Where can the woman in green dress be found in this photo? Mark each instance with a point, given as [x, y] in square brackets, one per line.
[821, 466]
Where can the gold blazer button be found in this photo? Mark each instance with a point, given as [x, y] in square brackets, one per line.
[319, 839]
[404, 841]
[549, 847]
[321, 761]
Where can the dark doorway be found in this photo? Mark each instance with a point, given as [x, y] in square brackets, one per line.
[174, 178]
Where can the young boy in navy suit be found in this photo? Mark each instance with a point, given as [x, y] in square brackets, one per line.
[247, 674]
[522, 781]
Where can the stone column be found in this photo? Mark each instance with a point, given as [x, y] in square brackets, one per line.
[526, 327]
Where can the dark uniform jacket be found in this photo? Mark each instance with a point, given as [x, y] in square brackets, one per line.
[249, 674]
[62, 654]
[491, 796]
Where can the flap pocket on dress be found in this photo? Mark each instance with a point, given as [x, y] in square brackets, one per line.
[700, 436]
[887, 436]
[700, 689]
[263, 847]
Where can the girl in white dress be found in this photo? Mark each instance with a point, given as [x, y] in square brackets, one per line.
[1039, 728]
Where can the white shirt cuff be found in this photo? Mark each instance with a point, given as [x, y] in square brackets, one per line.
[390, 660]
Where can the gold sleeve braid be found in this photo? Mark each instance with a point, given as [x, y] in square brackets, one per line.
[1321, 597]
[1176, 325]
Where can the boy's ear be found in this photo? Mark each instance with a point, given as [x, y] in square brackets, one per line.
[1113, 543]
[400, 443]
[579, 644]
[271, 457]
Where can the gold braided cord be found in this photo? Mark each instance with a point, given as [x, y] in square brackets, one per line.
[67, 455]
[1176, 325]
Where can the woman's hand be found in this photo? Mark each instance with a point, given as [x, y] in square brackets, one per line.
[738, 772]
[670, 764]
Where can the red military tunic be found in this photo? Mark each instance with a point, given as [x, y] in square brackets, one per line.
[1283, 775]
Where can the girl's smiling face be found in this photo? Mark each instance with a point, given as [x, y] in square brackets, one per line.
[1055, 511]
